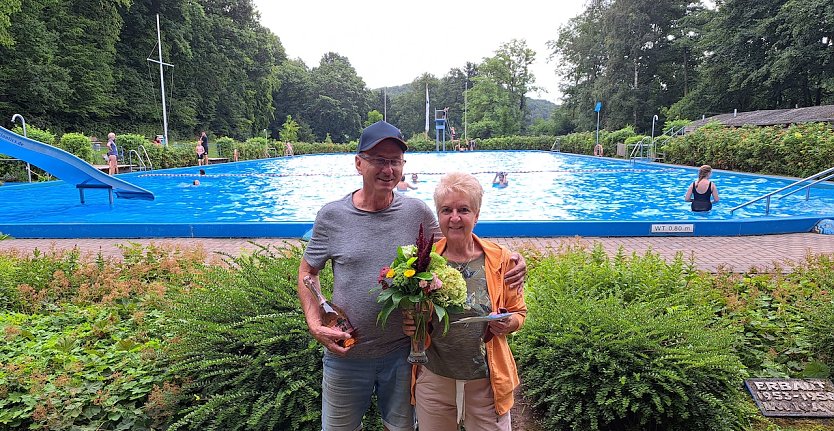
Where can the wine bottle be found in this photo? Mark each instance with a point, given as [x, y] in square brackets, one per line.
[331, 315]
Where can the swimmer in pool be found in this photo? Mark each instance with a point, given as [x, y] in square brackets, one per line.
[404, 185]
[500, 181]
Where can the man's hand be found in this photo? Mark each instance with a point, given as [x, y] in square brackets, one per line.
[515, 276]
[328, 337]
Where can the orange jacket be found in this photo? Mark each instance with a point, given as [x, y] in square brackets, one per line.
[503, 374]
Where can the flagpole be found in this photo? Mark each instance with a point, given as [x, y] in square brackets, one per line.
[427, 111]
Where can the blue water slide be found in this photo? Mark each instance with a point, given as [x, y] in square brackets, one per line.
[67, 167]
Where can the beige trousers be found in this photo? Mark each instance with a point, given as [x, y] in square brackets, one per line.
[441, 401]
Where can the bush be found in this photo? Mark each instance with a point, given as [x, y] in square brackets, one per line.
[36, 134]
[82, 346]
[626, 346]
[77, 144]
[244, 357]
[225, 146]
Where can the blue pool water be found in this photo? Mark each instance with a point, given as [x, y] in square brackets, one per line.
[549, 194]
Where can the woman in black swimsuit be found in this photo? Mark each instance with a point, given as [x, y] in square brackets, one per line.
[699, 192]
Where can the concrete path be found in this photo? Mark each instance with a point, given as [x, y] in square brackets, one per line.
[739, 253]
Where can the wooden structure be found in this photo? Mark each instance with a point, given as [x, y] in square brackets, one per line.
[770, 117]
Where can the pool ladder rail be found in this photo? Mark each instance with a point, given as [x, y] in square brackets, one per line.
[814, 180]
[143, 165]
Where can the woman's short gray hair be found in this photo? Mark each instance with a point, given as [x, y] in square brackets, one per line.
[462, 182]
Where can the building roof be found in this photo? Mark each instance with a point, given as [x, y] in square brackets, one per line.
[771, 117]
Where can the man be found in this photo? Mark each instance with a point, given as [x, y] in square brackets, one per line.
[360, 234]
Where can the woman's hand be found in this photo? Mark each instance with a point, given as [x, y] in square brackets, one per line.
[409, 328]
[501, 328]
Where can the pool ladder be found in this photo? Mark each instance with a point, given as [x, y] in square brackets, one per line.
[814, 179]
[143, 166]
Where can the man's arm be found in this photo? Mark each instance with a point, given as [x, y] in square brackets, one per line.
[310, 305]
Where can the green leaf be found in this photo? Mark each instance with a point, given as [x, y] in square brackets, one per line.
[427, 276]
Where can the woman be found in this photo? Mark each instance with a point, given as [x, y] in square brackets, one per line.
[471, 362]
[699, 192]
[112, 154]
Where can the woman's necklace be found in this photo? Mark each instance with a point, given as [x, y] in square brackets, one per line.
[464, 270]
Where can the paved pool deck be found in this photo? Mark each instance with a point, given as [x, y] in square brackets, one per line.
[737, 253]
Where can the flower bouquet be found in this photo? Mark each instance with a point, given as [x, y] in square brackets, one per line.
[420, 282]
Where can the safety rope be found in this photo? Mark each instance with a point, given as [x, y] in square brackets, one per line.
[575, 171]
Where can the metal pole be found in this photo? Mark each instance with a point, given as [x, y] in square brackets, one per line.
[25, 135]
[465, 91]
[385, 104]
[597, 140]
[162, 81]
[652, 152]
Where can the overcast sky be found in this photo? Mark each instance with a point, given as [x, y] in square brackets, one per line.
[393, 42]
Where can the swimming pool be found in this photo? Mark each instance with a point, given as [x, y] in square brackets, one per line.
[549, 194]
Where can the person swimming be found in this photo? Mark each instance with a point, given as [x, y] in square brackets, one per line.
[500, 181]
[404, 185]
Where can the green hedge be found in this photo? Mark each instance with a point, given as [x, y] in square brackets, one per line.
[797, 151]
[160, 340]
[624, 344]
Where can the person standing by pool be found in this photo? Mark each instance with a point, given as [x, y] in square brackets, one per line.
[471, 362]
[358, 234]
[700, 191]
[204, 143]
[200, 150]
[112, 154]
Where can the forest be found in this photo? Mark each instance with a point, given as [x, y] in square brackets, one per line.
[88, 66]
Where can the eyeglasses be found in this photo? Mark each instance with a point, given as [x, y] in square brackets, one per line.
[381, 162]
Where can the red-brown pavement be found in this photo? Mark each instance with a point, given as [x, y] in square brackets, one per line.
[736, 253]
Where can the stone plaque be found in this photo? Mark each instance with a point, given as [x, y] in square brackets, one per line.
[793, 397]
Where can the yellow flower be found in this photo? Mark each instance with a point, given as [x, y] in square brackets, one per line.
[409, 273]
[391, 273]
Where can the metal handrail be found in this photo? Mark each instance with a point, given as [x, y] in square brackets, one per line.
[807, 187]
[149, 164]
[130, 160]
[557, 144]
[768, 195]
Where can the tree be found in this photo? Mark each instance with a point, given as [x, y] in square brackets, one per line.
[510, 69]
[289, 131]
[373, 117]
[492, 111]
[340, 99]
[7, 8]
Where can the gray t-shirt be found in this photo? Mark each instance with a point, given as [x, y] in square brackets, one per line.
[359, 244]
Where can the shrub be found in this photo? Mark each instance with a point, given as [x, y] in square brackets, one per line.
[77, 144]
[225, 145]
[82, 348]
[36, 134]
[626, 346]
[244, 356]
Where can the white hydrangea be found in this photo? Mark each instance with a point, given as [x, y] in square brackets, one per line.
[453, 290]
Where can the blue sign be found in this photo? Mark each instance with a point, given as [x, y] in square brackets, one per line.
[598, 107]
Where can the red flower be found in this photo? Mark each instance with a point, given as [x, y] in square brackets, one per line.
[382, 273]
